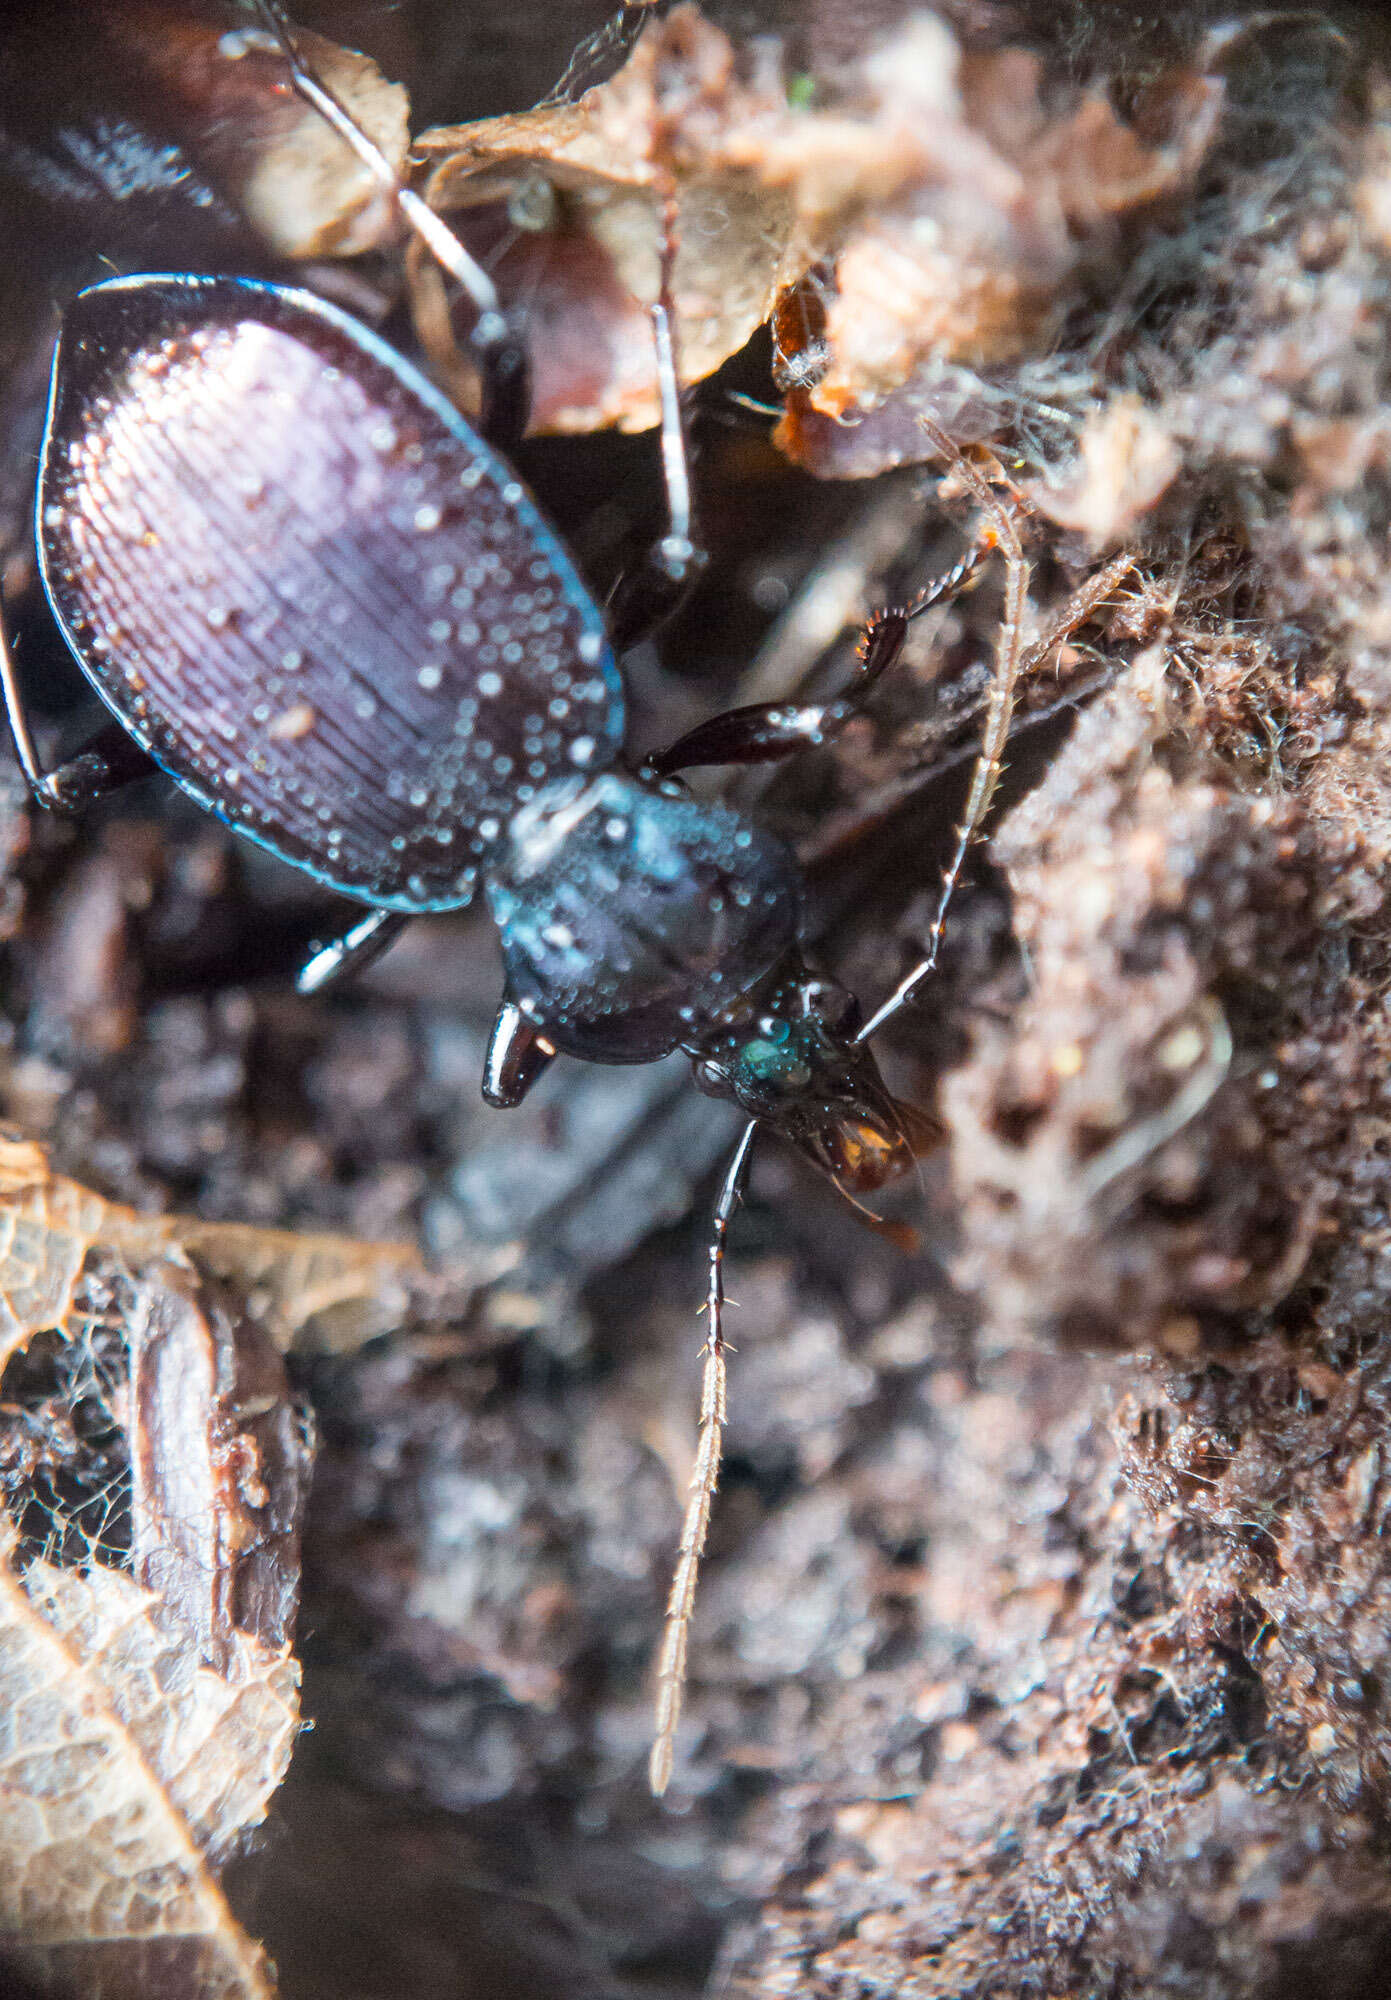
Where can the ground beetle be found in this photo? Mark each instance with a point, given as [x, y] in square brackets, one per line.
[314, 595]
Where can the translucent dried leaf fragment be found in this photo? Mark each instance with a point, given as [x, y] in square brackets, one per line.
[219, 1742]
[120, 1766]
[566, 203]
[338, 1291]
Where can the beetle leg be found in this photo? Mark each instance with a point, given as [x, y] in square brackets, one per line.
[517, 1054]
[109, 760]
[1012, 661]
[644, 600]
[356, 949]
[1009, 661]
[500, 351]
[767, 731]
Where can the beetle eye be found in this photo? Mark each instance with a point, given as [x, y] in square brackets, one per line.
[710, 1078]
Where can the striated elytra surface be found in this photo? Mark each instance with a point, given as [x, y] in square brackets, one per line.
[308, 589]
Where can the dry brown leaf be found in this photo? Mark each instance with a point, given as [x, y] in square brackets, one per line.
[122, 1763]
[316, 1290]
[932, 211]
[566, 203]
[764, 190]
[219, 1742]
[149, 1717]
[226, 98]
[324, 1288]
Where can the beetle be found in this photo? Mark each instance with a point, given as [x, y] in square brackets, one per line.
[369, 653]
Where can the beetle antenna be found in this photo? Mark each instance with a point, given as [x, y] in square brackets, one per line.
[963, 575]
[705, 1474]
[502, 358]
[1008, 658]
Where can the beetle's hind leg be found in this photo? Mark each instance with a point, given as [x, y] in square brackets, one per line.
[498, 346]
[110, 758]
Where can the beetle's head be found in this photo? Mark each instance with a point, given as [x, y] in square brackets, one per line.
[792, 1060]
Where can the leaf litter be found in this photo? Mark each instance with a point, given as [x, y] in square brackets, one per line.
[150, 1691]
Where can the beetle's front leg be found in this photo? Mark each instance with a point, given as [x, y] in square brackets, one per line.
[767, 731]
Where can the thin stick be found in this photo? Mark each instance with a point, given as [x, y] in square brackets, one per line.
[997, 715]
[705, 1474]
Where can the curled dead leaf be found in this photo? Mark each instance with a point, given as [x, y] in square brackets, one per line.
[168, 138]
[225, 96]
[123, 1768]
[147, 1685]
[565, 205]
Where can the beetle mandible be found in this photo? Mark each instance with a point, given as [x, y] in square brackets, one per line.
[374, 657]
